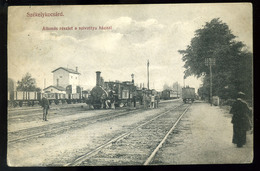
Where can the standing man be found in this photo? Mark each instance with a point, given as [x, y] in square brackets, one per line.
[46, 106]
[134, 98]
[240, 120]
[145, 100]
[152, 101]
[157, 99]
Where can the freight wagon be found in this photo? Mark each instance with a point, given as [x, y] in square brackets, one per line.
[31, 98]
[188, 94]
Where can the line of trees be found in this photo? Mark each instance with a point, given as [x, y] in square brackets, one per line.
[233, 69]
[27, 83]
[175, 87]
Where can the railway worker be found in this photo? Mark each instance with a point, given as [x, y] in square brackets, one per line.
[134, 98]
[46, 106]
[103, 100]
[240, 120]
[148, 100]
[145, 100]
[112, 99]
[152, 101]
[157, 99]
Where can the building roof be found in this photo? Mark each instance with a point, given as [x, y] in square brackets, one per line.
[56, 87]
[68, 70]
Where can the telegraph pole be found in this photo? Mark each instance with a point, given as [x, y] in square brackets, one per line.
[210, 62]
[148, 74]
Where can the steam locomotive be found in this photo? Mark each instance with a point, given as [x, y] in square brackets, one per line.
[121, 93]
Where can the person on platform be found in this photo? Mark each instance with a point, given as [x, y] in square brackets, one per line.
[157, 99]
[152, 101]
[145, 100]
[240, 120]
[46, 106]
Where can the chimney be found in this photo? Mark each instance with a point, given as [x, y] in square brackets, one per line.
[76, 69]
[98, 78]
[133, 80]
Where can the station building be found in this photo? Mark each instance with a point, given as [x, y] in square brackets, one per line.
[65, 80]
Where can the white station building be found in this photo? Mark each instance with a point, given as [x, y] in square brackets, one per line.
[65, 80]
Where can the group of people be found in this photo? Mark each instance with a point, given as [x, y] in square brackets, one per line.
[108, 100]
[150, 101]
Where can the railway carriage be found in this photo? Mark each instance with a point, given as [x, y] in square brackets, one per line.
[31, 98]
[169, 94]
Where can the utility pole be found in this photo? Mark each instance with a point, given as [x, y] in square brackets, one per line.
[210, 62]
[148, 74]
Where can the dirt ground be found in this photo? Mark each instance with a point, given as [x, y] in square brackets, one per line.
[205, 137]
[59, 149]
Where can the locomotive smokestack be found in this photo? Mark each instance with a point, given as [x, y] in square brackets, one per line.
[98, 78]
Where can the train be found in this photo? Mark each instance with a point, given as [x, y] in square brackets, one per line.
[169, 94]
[121, 93]
[31, 98]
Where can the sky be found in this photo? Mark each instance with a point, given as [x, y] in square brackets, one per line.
[139, 33]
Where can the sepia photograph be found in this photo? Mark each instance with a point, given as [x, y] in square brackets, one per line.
[130, 85]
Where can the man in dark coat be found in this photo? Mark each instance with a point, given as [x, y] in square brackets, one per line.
[241, 120]
[46, 106]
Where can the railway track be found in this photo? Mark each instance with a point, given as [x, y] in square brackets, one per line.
[135, 145]
[55, 128]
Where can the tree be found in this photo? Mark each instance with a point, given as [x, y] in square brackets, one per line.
[166, 87]
[27, 84]
[233, 69]
[176, 87]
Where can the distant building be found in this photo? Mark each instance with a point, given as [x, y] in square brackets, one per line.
[55, 89]
[65, 80]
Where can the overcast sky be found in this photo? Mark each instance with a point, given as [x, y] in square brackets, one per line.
[139, 33]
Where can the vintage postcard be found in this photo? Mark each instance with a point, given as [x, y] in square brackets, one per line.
[116, 85]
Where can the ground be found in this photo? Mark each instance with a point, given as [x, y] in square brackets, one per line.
[203, 136]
